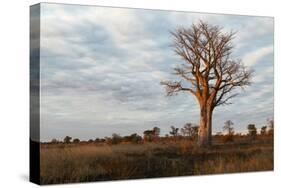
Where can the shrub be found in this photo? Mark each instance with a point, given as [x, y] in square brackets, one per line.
[76, 140]
[263, 130]
[67, 139]
[54, 141]
[116, 139]
[252, 130]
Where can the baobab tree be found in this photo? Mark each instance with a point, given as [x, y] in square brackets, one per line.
[208, 72]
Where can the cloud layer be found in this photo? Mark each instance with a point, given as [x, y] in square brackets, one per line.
[101, 68]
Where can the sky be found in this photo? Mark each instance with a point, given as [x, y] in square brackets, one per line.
[101, 70]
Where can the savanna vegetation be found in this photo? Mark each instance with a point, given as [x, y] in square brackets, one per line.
[151, 155]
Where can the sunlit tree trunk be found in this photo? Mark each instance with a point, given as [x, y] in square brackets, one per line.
[205, 129]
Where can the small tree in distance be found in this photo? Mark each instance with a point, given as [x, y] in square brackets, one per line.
[54, 141]
[194, 132]
[252, 130]
[174, 131]
[186, 130]
[190, 130]
[156, 131]
[67, 139]
[116, 138]
[263, 130]
[151, 135]
[229, 130]
[76, 140]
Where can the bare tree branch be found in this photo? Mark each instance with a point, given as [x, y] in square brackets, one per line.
[173, 87]
[208, 67]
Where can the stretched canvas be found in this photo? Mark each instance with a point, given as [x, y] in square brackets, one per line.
[122, 93]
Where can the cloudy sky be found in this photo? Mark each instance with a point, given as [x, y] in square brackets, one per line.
[101, 68]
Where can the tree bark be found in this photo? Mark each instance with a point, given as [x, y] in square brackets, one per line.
[205, 129]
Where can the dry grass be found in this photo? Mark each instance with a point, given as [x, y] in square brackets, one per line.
[254, 159]
[88, 162]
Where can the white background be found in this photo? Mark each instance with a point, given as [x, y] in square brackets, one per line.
[14, 93]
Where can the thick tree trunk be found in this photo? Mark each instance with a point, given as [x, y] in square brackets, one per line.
[205, 129]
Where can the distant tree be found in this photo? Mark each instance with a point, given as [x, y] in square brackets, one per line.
[174, 131]
[229, 130]
[252, 130]
[54, 141]
[67, 139]
[116, 138]
[76, 140]
[151, 135]
[263, 130]
[195, 132]
[156, 131]
[148, 135]
[135, 138]
[90, 140]
[270, 124]
[228, 127]
[186, 130]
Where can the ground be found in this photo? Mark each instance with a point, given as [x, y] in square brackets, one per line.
[83, 162]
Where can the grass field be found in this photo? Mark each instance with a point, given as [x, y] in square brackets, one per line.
[83, 162]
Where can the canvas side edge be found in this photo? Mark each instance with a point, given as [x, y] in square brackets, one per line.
[34, 138]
